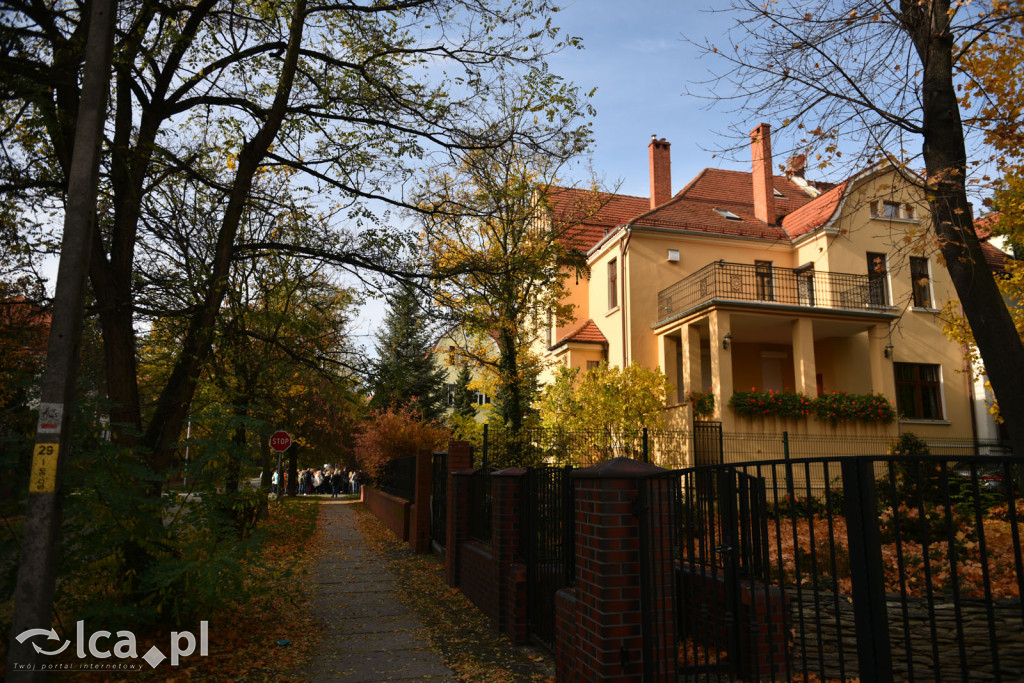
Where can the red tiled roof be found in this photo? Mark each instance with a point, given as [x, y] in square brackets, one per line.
[693, 208]
[815, 213]
[717, 185]
[593, 213]
[585, 333]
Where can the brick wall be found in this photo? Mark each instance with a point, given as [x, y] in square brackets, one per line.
[391, 510]
[478, 576]
[567, 642]
[488, 573]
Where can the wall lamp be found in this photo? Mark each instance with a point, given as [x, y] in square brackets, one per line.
[888, 350]
[726, 340]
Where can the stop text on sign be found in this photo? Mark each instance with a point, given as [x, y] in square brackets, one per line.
[280, 441]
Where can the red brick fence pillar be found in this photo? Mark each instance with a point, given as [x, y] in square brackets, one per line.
[506, 504]
[601, 629]
[460, 460]
[419, 526]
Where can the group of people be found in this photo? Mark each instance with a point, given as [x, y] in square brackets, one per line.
[332, 480]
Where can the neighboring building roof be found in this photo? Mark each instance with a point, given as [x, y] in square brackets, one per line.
[983, 225]
[995, 258]
[585, 333]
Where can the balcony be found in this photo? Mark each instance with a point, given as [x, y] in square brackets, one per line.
[764, 285]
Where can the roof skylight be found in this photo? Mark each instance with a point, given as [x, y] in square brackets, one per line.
[725, 213]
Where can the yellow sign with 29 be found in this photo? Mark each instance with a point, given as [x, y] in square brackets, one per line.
[44, 468]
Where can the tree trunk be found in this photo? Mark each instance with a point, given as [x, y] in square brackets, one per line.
[511, 389]
[293, 470]
[945, 158]
[267, 463]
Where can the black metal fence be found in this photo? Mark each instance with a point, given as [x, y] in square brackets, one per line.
[547, 545]
[889, 568]
[675, 449]
[399, 478]
[480, 505]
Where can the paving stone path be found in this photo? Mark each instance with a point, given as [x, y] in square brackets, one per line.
[368, 634]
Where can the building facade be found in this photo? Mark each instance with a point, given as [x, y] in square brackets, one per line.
[767, 281]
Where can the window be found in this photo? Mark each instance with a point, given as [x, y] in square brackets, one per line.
[593, 364]
[549, 331]
[726, 213]
[763, 281]
[613, 284]
[887, 209]
[920, 282]
[919, 391]
[450, 390]
[878, 277]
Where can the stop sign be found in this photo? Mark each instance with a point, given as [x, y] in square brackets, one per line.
[280, 441]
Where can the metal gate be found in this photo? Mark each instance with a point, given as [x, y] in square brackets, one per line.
[439, 500]
[707, 443]
[547, 546]
[713, 524]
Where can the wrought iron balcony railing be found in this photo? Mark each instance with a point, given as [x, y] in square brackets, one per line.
[765, 284]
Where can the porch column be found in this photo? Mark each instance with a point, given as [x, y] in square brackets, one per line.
[883, 380]
[668, 352]
[691, 358]
[721, 366]
[804, 368]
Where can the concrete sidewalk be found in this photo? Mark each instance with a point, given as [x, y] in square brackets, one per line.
[368, 634]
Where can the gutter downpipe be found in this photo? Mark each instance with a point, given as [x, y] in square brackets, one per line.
[623, 250]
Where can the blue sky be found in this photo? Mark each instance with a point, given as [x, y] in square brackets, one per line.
[635, 55]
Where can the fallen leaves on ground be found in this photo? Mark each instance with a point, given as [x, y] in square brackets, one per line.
[243, 639]
[455, 627]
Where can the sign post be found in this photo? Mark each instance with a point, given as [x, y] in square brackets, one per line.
[280, 442]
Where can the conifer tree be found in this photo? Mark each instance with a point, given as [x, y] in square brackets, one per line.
[465, 398]
[405, 370]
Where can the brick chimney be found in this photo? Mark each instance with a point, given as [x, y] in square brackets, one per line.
[661, 171]
[764, 189]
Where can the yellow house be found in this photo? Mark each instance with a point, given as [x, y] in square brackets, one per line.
[454, 349]
[756, 280]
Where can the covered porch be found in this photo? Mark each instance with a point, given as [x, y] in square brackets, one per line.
[728, 347]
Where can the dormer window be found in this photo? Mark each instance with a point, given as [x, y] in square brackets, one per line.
[725, 213]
